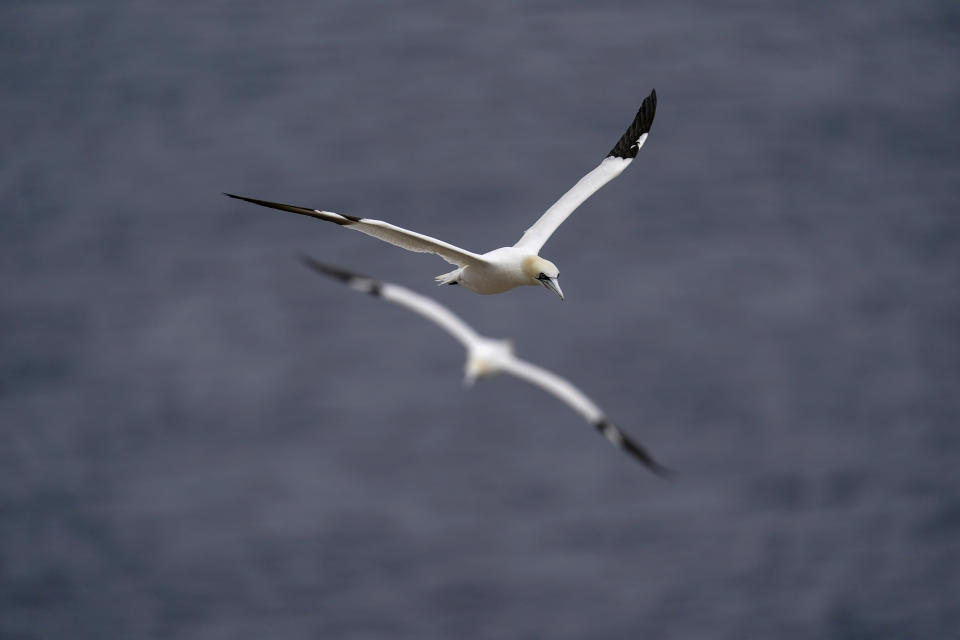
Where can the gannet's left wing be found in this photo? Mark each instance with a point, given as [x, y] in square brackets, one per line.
[562, 389]
[613, 165]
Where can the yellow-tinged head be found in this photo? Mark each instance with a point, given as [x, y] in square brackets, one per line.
[543, 272]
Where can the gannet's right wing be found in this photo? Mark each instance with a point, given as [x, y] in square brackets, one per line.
[613, 165]
[562, 389]
[422, 305]
[409, 240]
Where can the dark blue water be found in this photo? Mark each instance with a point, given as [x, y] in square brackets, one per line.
[202, 439]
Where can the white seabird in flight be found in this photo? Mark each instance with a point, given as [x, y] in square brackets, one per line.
[507, 267]
[489, 356]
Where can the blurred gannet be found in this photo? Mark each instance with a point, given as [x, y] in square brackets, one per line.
[488, 356]
[507, 267]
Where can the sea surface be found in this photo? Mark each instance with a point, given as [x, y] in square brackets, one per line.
[201, 439]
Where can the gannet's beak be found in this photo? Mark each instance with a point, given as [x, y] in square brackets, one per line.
[551, 283]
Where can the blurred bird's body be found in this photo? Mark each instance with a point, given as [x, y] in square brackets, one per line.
[489, 357]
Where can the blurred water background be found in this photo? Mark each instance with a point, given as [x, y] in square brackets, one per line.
[202, 439]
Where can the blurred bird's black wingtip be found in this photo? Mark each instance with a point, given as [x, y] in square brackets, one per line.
[664, 472]
[328, 269]
[648, 461]
[612, 432]
[360, 282]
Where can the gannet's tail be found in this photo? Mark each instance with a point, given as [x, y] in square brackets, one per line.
[449, 278]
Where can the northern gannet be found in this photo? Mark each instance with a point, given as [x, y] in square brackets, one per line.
[507, 267]
[489, 356]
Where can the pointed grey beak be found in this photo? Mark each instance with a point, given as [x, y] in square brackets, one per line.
[551, 283]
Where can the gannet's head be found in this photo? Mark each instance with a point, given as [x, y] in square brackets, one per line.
[543, 272]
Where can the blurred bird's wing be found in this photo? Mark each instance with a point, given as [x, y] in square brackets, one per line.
[421, 305]
[504, 361]
[562, 389]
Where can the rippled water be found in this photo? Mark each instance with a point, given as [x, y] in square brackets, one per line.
[202, 439]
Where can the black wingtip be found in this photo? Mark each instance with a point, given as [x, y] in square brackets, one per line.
[626, 146]
[647, 460]
[611, 432]
[355, 280]
[326, 269]
[340, 219]
[251, 200]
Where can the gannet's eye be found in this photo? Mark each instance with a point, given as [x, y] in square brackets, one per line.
[542, 276]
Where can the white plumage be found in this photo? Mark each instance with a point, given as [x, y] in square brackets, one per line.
[507, 267]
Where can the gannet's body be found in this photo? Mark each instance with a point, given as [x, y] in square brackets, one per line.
[489, 357]
[508, 267]
[501, 270]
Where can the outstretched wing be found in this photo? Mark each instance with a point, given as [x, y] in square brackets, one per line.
[562, 389]
[409, 240]
[613, 165]
[426, 307]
